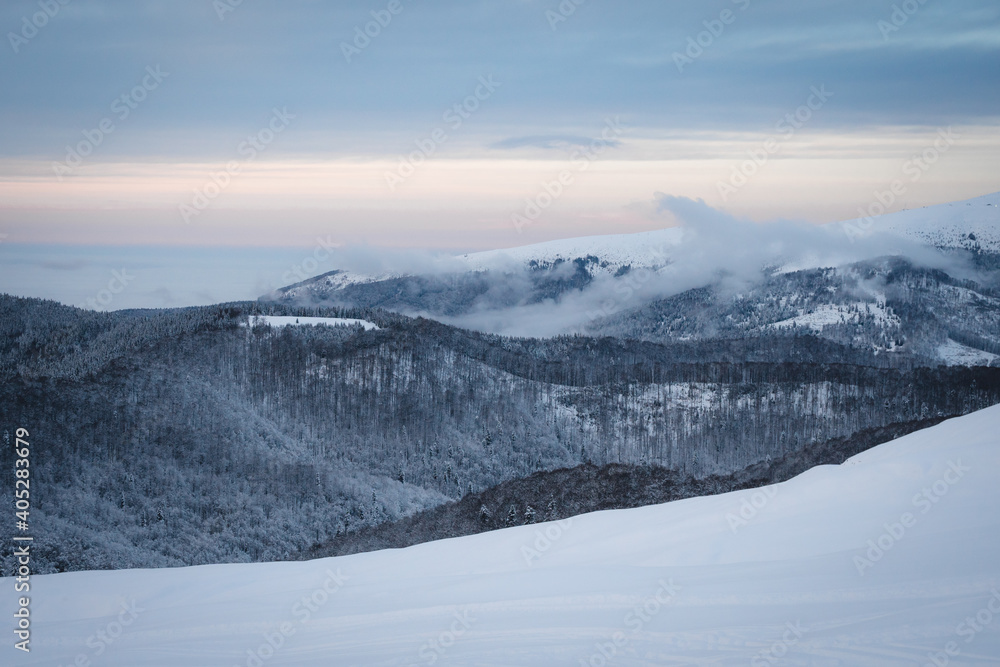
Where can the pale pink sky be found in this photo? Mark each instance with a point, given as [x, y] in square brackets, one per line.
[460, 199]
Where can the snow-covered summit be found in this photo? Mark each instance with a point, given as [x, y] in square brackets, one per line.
[971, 224]
[961, 224]
[643, 249]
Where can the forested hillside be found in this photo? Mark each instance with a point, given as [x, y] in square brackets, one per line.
[887, 306]
[186, 436]
[568, 492]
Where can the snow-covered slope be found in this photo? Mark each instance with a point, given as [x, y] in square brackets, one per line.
[614, 251]
[947, 225]
[955, 354]
[890, 559]
[971, 224]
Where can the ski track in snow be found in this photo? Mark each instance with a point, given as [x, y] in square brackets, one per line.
[794, 575]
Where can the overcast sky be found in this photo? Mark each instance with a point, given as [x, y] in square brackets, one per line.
[161, 95]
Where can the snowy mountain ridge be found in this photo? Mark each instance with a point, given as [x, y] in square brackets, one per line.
[920, 282]
[947, 225]
[613, 251]
[973, 224]
[970, 224]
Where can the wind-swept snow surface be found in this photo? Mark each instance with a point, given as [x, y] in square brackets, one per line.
[890, 559]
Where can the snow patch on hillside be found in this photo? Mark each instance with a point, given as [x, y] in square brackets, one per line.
[831, 314]
[955, 354]
[291, 321]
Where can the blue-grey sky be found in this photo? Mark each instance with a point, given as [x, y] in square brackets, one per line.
[938, 68]
[683, 93]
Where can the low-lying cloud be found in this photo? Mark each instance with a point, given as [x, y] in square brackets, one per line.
[717, 249]
[714, 248]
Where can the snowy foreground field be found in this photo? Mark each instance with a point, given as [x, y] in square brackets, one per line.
[891, 559]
